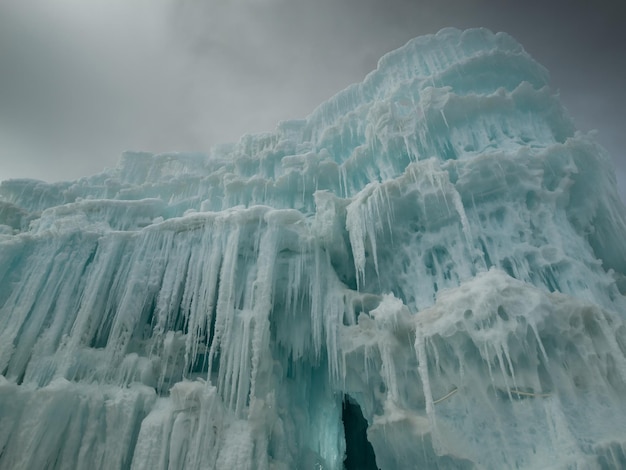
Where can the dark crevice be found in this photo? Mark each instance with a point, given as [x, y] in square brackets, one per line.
[359, 451]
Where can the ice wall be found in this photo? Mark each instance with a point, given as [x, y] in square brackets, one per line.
[436, 244]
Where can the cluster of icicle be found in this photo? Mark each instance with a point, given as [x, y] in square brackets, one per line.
[436, 244]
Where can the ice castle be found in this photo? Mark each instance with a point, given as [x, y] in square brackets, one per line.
[428, 272]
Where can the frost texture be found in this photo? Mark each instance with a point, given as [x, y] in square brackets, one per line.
[437, 243]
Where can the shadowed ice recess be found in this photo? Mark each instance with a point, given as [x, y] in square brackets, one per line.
[434, 255]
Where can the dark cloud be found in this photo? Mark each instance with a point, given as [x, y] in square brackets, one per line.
[83, 81]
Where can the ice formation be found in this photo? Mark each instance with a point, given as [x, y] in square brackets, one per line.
[436, 248]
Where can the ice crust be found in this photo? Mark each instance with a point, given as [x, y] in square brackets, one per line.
[437, 242]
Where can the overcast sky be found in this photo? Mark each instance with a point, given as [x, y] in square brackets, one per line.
[83, 80]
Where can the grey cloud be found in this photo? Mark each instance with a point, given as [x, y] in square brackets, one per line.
[83, 81]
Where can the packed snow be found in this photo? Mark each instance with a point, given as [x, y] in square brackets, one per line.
[437, 246]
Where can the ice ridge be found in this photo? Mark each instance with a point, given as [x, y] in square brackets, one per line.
[436, 246]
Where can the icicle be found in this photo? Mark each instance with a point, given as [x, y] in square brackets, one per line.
[225, 308]
[444, 118]
[422, 358]
[262, 302]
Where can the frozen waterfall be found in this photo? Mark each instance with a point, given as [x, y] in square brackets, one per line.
[428, 270]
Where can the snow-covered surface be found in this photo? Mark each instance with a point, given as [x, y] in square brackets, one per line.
[437, 242]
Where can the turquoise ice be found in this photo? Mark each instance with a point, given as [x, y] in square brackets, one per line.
[437, 246]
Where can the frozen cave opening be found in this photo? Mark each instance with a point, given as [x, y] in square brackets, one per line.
[359, 451]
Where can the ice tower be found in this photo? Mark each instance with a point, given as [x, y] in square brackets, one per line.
[428, 271]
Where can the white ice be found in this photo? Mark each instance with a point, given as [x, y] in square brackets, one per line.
[437, 243]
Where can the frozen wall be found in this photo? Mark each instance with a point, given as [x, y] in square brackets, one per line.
[436, 246]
